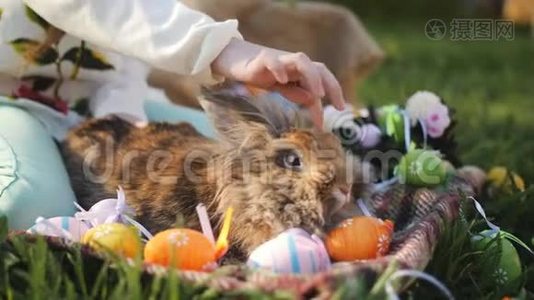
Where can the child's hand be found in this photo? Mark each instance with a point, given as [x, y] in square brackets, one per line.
[292, 74]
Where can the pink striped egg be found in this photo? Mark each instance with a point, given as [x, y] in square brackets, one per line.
[293, 251]
[65, 227]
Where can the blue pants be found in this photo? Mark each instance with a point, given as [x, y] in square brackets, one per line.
[33, 179]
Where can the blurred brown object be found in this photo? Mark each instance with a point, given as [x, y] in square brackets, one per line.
[327, 33]
[519, 11]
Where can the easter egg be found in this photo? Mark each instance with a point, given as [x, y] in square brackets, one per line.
[118, 238]
[421, 168]
[502, 178]
[359, 238]
[506, 274]
[292, 251]
[184, 249]
[371, 136]
[65, 227]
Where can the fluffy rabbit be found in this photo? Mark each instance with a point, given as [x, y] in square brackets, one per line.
[274, 174]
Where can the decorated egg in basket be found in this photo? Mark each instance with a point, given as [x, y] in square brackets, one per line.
[500, 178]
[65, 227]
[421, 167]
[292, 251]
[359, 238]
[505, 272]
[182, 248]
[118, 238]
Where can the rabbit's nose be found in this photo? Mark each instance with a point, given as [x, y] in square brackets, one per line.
[344, 189]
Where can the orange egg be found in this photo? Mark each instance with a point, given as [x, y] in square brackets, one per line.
[359, 238]
[184, 249]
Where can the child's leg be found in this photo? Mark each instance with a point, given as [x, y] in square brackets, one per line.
[33, 179]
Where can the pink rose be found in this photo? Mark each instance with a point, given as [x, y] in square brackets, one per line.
[427, 107]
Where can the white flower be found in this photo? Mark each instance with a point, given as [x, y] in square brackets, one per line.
[178, 239]
[426, 107]
[416, 167]
[501, 276]
[346, 223]
[334, 118]
[383, 244]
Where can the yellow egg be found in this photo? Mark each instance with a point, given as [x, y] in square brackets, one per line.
[184, 249]
[359, 238]
[501, 177]
[118, 238]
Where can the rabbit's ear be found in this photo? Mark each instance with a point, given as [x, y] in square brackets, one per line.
[232, 112]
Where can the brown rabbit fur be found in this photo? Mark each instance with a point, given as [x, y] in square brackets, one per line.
[167, 169]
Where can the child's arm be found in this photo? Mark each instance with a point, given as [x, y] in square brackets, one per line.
[164, 33]
[168, 35]
[124, 96]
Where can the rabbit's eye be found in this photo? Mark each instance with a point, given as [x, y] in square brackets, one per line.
[289, 159]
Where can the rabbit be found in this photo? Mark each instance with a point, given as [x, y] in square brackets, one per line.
[275, 174]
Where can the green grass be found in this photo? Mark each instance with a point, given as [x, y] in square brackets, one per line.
[490, 85]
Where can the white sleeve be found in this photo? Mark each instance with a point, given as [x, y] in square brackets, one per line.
[123, 96]
[164, 33]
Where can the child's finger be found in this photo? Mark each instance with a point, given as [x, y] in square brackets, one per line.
[316, 113]
[295, 94]
[332, 87]
[304, 98]
[277, 69]
[310, 77]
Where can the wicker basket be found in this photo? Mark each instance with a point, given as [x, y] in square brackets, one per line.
[419, 215]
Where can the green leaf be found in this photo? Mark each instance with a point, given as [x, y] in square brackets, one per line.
[87, 59]
[3, 228]
[27, 48]
[40, 83]
[81, 106]
[43, 83]
[1, 12]
[515, 239]
[35, 18]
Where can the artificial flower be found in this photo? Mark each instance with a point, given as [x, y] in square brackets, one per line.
[427, 108]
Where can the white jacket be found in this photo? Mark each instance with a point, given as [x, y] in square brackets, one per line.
[104, 56]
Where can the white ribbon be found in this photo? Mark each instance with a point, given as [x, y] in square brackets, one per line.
[494, 228]
[415, 274]
[363, 207]
[425, 132]
[386, 183]
[58, 230]
[205, 222]
[407, 132]
[138, 225]
[118, 213]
